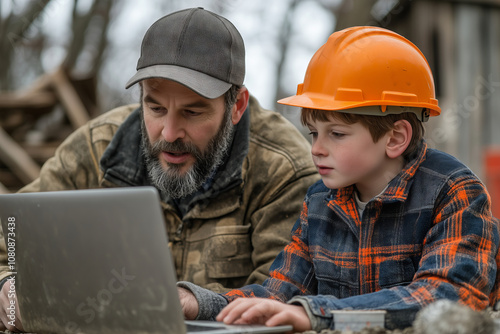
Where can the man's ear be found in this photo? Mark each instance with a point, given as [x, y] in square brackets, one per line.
[399, 139]
[241, 105]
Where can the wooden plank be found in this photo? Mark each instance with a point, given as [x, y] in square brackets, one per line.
[9, 180]
[354, 13]
[495, 3]
[469, 107]
[446, 135]
[41, 152]
[18, 161]
[29, 100]
[489, 88]
[69, 98]
[42, 83]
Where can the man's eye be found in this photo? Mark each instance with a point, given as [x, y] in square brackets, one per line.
[157, 109]
[191, 113]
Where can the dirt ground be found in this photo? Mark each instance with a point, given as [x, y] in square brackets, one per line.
[442, 317]
[376, 330]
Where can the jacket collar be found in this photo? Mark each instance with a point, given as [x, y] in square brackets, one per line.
[123, 163]
[398, 187]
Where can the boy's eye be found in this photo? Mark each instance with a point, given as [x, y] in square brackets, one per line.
[313, 133]
[338, 134]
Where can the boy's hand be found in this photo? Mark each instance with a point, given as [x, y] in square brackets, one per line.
[189, 303]
[9, 310]
[265, 311]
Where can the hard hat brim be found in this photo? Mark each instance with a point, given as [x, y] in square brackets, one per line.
[307, 100]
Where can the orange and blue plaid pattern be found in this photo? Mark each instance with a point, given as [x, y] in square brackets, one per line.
[429, 236]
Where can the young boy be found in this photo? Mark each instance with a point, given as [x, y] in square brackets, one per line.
[393, 225]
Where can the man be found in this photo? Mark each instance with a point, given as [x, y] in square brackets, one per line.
[231, 175]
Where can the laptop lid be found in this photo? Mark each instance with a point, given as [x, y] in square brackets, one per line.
[92, 261]
[95, 261]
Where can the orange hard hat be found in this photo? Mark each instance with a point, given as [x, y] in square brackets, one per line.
[367, 66]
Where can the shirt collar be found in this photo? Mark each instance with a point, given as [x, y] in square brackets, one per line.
[398, 187]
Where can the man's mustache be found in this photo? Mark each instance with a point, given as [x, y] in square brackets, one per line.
[177, 146]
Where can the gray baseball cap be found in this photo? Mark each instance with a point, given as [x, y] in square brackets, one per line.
[196, 48]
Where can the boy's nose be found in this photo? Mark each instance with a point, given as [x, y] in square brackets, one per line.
[318, 148]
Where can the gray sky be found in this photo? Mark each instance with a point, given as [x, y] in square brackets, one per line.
[258, 21]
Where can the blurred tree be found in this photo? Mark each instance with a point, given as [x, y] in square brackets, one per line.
[283, 45]
[19, 37]
[38, 109]
[285, 37]
[89, 36]
[13, 29]
[355, 13]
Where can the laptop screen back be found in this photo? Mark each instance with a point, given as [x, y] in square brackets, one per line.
[92, 261]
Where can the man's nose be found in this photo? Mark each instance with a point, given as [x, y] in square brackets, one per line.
[173, 127]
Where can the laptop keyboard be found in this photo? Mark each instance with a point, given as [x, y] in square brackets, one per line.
[201, 328]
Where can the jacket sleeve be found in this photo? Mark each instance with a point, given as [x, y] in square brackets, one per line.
[74, 166]
[458, 263]
[271, 224]
[278, 286]
[277, 172]
[209, 303]
[292, 272]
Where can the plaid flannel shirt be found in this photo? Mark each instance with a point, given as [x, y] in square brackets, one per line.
[429, 235]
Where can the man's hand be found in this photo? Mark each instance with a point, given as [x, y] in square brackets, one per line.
[189, 303]
[9, 312]
[265, 311]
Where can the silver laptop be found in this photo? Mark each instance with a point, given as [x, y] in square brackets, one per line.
[96, 261]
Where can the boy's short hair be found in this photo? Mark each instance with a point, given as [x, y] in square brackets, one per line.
[377, 125]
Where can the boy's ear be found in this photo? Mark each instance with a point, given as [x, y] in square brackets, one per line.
[241, 105]
[399, 138]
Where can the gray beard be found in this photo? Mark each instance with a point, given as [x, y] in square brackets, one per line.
[170, 182]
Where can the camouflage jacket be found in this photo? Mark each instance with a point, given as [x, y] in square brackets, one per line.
[231, 233]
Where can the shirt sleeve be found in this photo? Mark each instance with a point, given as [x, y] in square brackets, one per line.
[458, 263]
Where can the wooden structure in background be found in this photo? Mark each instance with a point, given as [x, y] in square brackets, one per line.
[34, 121]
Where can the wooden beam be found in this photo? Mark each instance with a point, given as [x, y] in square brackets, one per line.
[495, 3]
[355, 13]
[70, 99]
[18, 161]
[31, 100]
[9, 180]
[41, 152]
[42, 83]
